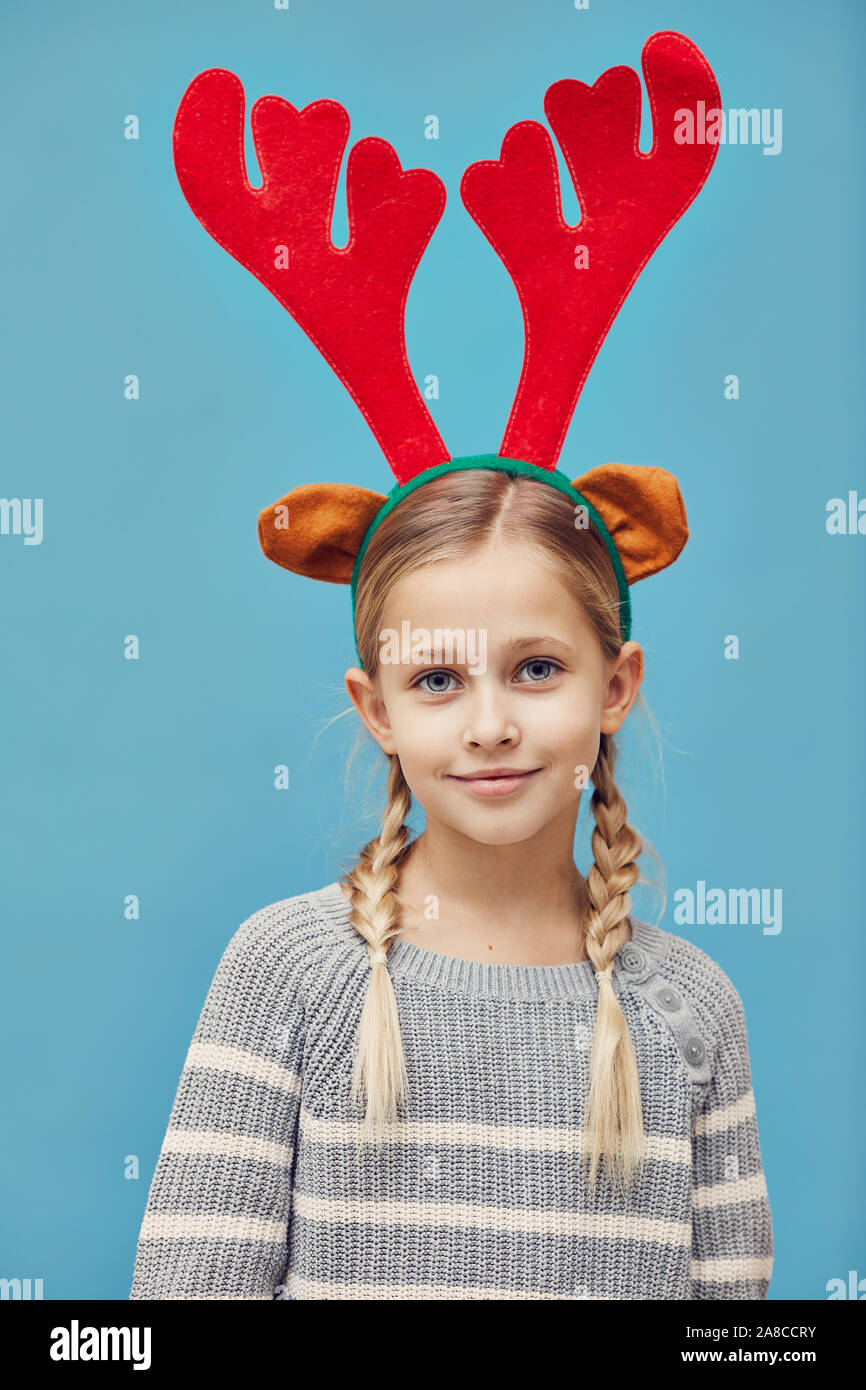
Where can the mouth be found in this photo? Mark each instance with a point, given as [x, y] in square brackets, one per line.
[496, 781]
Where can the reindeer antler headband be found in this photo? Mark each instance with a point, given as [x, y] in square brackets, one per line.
[350, 301]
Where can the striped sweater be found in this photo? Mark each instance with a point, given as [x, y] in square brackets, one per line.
[259, 1192]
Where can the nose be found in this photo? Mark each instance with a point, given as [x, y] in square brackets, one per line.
[489, 723]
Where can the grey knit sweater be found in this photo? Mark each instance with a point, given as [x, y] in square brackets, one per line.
[477, 1193]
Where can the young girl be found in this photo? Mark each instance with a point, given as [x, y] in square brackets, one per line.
[465, 1070]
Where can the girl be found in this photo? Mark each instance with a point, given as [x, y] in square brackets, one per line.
[465, 1070]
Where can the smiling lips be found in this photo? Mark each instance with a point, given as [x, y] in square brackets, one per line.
[496, 781]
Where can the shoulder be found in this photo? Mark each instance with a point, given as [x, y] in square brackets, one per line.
[693, 972]
[690, 995]
[288, 939]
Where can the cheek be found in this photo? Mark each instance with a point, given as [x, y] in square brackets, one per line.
[420, 740]
[571, 720]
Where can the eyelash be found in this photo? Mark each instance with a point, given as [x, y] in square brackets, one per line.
[532, 661]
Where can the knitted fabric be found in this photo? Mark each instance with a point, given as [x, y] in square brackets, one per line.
[477, 1192]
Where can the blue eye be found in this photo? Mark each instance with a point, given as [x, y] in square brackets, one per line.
[539, 661]
[432, 676]
[548, 668]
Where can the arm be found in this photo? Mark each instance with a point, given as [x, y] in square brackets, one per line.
[216, 1220]
[732, 1234]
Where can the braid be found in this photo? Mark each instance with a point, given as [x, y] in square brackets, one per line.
[380, 1068]
[614, 1122]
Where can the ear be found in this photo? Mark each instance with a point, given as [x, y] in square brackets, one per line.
[317, 529]
[644, 512]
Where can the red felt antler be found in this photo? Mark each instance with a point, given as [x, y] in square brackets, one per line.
[350, 301]
[629, 202]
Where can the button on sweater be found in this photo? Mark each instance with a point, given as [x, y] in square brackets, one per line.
[477, 1192]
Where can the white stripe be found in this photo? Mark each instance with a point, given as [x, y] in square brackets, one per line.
[723, 1194]
[556, 1139]
[222, 1145]
[219, 1057]
[715, 1121]
[729, 1269]
[210, 1225]
[468, 1216]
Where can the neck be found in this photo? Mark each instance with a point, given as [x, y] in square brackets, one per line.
[533, 882]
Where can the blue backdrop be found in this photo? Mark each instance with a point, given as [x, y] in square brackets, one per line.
[155, 777]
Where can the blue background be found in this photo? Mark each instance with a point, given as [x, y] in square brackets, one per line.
[155, 777]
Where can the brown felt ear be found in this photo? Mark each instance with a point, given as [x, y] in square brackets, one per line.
[317, 529]
[644, 512]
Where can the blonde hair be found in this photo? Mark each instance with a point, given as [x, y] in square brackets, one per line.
[448, 518]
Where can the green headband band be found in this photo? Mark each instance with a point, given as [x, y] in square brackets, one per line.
[553, 477]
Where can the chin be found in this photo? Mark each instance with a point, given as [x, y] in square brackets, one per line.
[503, 833]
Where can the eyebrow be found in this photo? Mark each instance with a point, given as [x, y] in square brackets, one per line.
[515, 643]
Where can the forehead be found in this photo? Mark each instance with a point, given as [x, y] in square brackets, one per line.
[498, 587]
